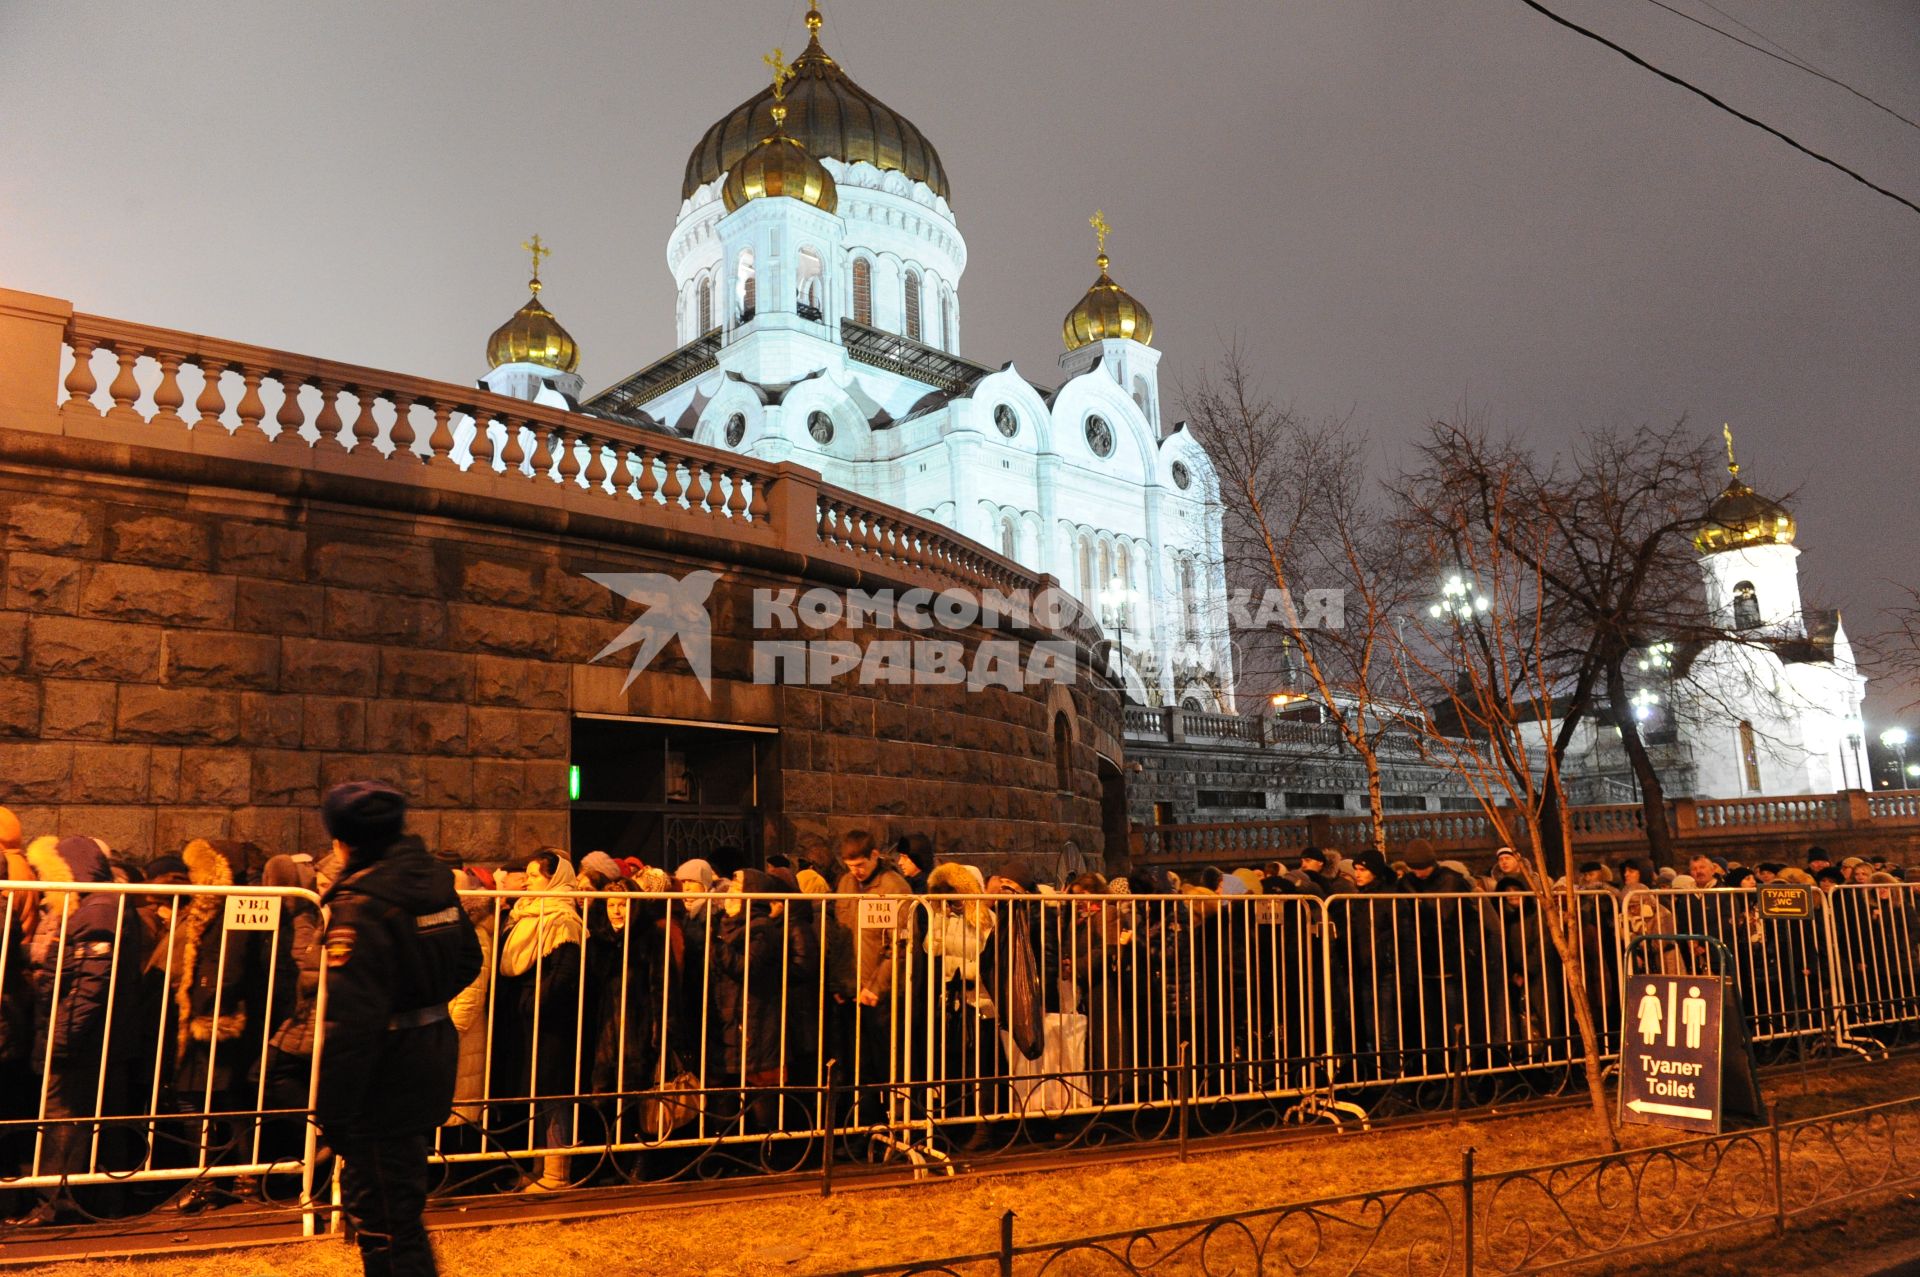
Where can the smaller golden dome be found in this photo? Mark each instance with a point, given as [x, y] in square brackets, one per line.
[779, 166]
[533, 335]
[1740, 517]
[1107, 310]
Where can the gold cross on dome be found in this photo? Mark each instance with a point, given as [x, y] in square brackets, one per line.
[1733, 467]
[813, 17]
[539, 250]
[1100, 229]
[782, 73]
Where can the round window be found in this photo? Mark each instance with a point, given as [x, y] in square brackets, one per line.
[1003, 418]
[737, 429]
[1099, 436]
[1181, 476]
[820, 426]
[1191, 705]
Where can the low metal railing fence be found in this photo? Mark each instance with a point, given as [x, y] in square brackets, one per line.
[619, 1037]
[1514, 1222]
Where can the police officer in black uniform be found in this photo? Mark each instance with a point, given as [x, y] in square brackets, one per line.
[398, 946]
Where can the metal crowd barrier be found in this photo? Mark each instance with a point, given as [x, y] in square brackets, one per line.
[650, 1036]
[133, 1062]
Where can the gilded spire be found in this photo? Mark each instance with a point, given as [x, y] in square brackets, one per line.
[538, 250]
[813, 18]
[1733, 467]
[1100, 229]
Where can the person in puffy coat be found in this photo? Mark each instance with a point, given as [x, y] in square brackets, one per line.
[468, 1010]
[539, 987]
[83, 965]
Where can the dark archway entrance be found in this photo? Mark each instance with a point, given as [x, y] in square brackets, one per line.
[1113, 817]
[667, 792]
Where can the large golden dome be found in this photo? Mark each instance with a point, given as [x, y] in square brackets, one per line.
[829, 116]
[1107, 310]
[1740, 517]
[779, 166]
[533, 336]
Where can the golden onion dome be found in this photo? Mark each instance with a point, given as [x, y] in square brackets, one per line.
[779, 166]
[1741, 517]
[1107, 310]
[829, 116]
[533, 336]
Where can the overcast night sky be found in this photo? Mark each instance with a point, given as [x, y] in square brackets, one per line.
[1395, 204]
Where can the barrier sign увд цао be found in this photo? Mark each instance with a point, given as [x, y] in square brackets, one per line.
[1670, 1051]
[252, 913]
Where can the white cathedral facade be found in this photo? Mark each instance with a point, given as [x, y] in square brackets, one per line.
[816, 264]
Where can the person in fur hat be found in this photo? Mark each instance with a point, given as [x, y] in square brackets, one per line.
[220, 999]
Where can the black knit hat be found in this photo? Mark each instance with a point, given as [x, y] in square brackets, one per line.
[367, 815]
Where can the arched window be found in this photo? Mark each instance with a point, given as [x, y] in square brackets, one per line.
[862, 291]
[1123, 570]
[1062, 751]
[948, 340]
[1749, 757]
[706, 305]
[807, 299]
[1008, 542]
[913, 305]
[1086, 572]
[1746, 606]
[743, 285]
[1106, 567]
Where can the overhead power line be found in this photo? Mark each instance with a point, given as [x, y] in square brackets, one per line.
[1785, 55]
[1738, 114]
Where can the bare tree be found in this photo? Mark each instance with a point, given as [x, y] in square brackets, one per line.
[1299, 515]
[1481, 666]
[1617, 562]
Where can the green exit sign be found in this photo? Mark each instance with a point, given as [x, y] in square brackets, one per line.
[573, 783]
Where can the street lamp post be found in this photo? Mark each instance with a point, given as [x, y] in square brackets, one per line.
[1895, 739]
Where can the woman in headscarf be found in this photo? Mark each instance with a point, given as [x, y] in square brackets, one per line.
[539, 985]
[959, 933]
[747, 950]
[623, 1007]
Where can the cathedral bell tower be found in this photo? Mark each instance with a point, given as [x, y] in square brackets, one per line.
[1748, 557]
[1112, 326]
[531, 353]
[782, 243]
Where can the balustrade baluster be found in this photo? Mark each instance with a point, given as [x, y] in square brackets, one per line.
[401, 436]
[571, 467]
[440, 442]
[251, 409]
[365, 427]
[644, 478]
[674, 489]
[757, 508]
[167, 396]
[736, 492]
[542, 456]
[512, 452]
[125, 388]
[596, 471]
[327, 420]
[81, 382]
[291, 415]
[211, 405]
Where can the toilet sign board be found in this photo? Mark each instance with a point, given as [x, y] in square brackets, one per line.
[252, 913]
[1670, 1051]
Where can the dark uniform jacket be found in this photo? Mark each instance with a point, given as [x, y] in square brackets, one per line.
[398, 946]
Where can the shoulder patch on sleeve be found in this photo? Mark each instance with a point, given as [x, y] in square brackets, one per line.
[339, 946]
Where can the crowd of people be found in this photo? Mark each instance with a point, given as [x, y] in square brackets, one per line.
[621, 1002]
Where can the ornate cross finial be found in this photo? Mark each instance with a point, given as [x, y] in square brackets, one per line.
[813, 17]
[782, 73]
[1100, 229]
[539, 250]
[1733, 467]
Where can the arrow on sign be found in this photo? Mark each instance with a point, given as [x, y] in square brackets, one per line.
[1671, 1110]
